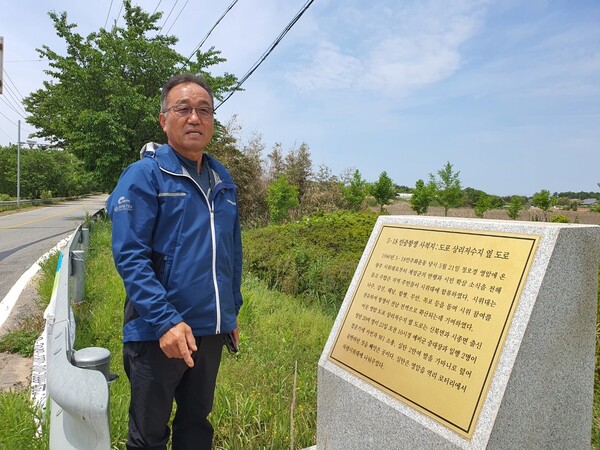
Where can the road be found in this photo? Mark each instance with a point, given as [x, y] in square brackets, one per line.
[27, 235]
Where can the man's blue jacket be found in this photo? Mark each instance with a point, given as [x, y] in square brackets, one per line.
[178, 251]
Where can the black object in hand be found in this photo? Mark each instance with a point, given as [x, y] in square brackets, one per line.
[230, 342]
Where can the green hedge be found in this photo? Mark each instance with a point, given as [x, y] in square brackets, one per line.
[314, 258]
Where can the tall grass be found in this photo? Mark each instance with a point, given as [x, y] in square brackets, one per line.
[19, 419]
[19, 423]
[254, 388]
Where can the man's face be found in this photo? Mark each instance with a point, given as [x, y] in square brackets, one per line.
[189, 135]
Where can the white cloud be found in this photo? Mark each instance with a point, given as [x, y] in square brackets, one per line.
[410, 47]
[329, 69]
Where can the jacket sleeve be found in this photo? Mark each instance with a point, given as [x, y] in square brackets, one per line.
[133, 209]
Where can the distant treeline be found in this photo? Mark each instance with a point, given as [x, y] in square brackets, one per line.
[578, 195]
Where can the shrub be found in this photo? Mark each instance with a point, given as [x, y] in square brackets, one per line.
[560, 219]
[46, 196]
[315, 257]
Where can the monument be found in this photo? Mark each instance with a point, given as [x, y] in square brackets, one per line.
[464, 334]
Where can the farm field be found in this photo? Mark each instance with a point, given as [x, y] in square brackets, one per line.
[582, 215]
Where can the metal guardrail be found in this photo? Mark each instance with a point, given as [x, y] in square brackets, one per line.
[79, 397]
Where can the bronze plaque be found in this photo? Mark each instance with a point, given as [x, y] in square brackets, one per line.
[430, 314]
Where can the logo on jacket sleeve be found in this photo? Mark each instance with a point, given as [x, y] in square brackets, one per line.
[123, 204]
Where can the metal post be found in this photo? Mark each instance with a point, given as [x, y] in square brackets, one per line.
[77, 275]
[19, 166]
[85, 239]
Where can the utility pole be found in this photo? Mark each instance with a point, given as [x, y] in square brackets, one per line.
[19, 167]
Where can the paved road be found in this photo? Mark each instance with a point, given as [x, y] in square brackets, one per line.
[27, 235]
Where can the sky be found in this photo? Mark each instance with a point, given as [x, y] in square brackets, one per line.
[507, 91]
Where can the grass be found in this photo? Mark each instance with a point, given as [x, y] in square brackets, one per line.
[19, 424]
[281, 340]
[21, 341]
[255, 387]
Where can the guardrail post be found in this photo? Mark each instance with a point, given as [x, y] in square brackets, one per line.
[85, 239]
[77, 275]
[94, 358]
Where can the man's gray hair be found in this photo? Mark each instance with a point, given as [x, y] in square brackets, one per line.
[184, 78]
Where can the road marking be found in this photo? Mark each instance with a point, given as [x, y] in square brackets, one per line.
[41, 218]
[9, 301]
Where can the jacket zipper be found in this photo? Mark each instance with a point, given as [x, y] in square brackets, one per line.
[213, 238]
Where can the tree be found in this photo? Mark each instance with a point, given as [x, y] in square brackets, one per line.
[246, 170]
[323, 194]
[515, 206]
[422, 197]
[298, 167]
[543, 201]
[276, 163]
[48, 172]
[383, 190]
[471, 196]
[448, 191]
[102, 103]
[281, 198]
[255, 187]
[355, 192]
[483, 204]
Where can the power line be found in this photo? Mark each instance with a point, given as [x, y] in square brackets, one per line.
[268, 52]
[108, 14]
[176, 18]
[167, 19]
[6, 117]
[6, 133]
[11, 81]
[229, 8]
[15, 103]
[9, 104]
[156, 9]
[119, 13]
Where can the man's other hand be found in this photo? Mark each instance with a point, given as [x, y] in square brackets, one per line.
[179, 342]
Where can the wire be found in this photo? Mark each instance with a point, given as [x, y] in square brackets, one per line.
[267, 53]
[12, 101]
[11, 105]
[6, 133]
[156, 9]
[229, 8]
[167, 19]
[11, 81]
[177, 18]
[6, 117]
[119, 13]
[108, 14]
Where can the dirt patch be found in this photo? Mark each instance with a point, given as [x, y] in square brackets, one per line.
[15, 370]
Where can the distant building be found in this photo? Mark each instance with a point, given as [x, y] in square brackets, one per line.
[403, 196]
[588, 202]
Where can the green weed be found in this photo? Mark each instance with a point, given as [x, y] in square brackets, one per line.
[19, 424]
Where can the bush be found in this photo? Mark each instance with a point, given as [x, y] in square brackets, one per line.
[315, 257]
[46, 197]
[560, 219]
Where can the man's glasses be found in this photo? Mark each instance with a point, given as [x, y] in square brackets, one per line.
[203, 112]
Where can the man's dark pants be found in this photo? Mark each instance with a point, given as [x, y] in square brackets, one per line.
[156, 380]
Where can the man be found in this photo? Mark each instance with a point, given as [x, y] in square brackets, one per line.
[177, 246]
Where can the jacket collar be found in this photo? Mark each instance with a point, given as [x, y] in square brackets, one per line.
[167, 159]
